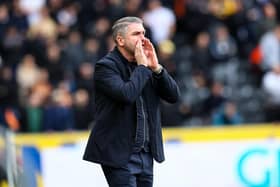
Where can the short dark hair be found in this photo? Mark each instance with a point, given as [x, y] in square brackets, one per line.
[120, 26]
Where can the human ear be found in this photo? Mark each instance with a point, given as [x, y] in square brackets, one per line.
[120, 40]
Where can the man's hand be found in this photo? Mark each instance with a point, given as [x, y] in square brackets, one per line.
[139, 54]
[151, 55]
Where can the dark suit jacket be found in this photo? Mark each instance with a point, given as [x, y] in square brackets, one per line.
[112, 138]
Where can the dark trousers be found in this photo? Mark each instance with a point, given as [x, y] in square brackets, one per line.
[137, 173]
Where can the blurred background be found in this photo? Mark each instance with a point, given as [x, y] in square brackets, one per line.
[224, 55]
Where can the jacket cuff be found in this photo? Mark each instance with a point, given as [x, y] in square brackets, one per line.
[160, 74]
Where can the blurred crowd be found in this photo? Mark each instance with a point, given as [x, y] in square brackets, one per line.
[224, 54]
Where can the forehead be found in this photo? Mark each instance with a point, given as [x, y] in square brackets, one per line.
[135, 27]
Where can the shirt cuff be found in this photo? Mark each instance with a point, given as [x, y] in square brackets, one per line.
[158, 70]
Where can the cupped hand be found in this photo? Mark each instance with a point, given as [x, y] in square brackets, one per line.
[150, 52]
[140, 55]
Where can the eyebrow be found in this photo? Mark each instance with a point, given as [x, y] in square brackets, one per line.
[136, 32]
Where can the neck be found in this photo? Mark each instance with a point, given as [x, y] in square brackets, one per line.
[127, 55]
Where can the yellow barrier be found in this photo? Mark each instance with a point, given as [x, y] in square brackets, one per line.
[223, 133]
[50, 139]
[192, 134]
[4, 184]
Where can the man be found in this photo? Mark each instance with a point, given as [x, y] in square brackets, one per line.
[129, 83]
[270, 47]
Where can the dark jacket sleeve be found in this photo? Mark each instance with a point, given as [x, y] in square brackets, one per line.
[109, 81]
[166, 87]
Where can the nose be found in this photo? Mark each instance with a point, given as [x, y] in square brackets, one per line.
[143, 40]
[142, 37]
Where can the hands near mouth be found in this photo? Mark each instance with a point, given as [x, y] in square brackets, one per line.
[145, 54]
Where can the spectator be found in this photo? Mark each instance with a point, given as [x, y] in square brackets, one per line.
[227, 115]
[68, 15]
[270, 18]
[12, 44]
[55, 64]
[45, 28]
[160, 20]
[132, 7]
[33, 114]
[222, 45]
[100, 30]
[58, 116]
[271, 84]
[214, 101]
[9, 108]
[9, 87]
[4, 19]
[195, 93]
[19, 17]
[83, 110]
[73, 51]
[91, 50]
[42, 86]
[54, 7]
[270, 47]
[271, 87]
[200, 57]
[27, 75]
[166, 52]
[32, 9]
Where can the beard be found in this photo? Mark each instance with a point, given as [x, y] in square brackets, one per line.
[130, 48]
